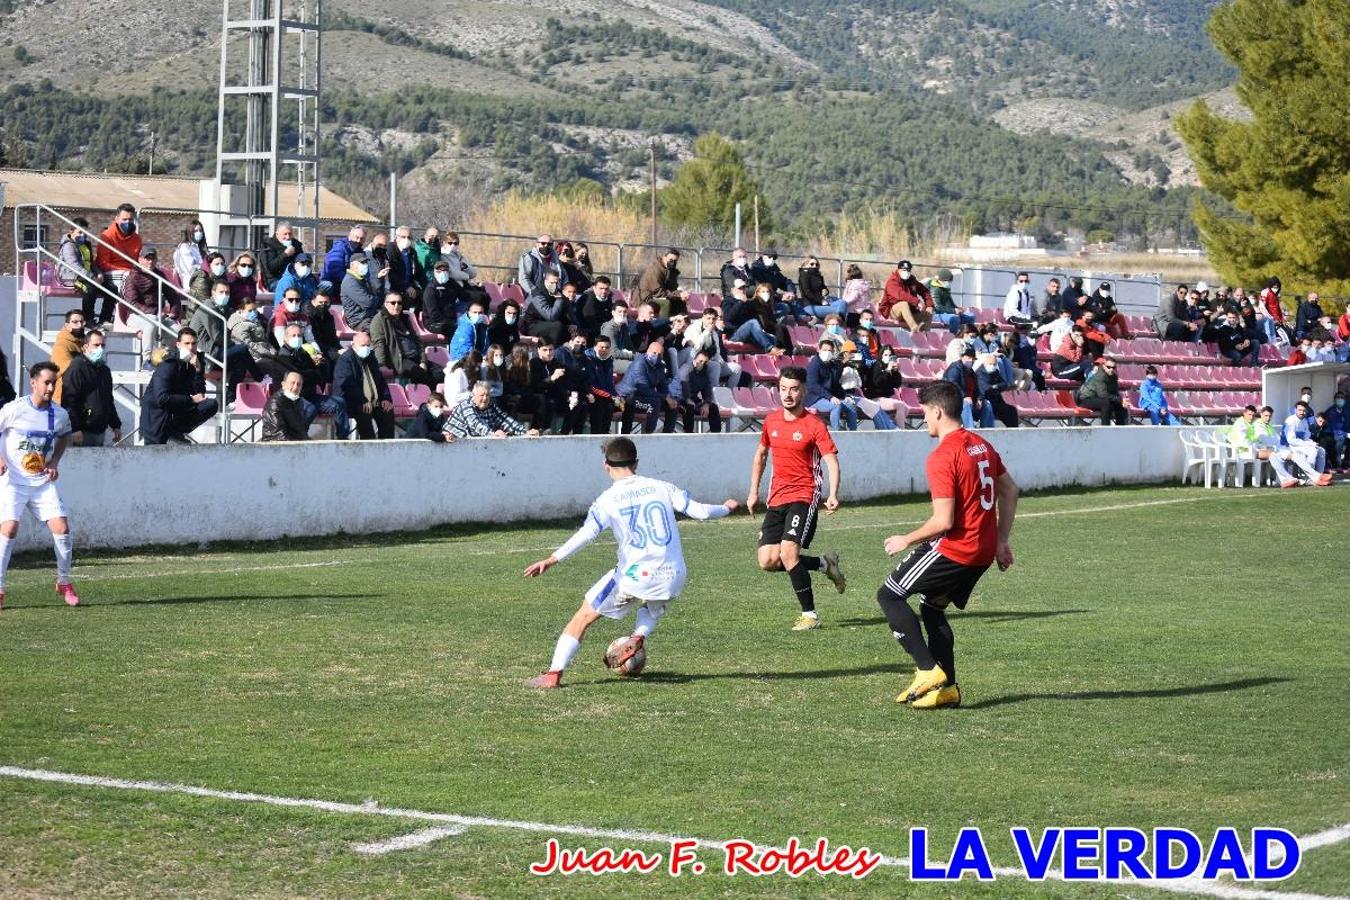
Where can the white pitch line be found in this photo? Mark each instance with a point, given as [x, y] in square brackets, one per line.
[233, 571]
[1325, 838]
[1183, 886]
[409, 841]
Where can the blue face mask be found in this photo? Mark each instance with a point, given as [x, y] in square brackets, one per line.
[361, 352]
[442, 277]
[126, 227]
[251, 315]
[96, 354]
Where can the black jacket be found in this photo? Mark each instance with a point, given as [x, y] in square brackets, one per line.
[728, 276]
[347, 380]
[87, 394]
[169, 393]
[324, 327]
[273, 259]
[438, 307]
[424, 426]
[504, 335]
[282, 421]
[315, 375]
[811, 285]
[401, 276]
[594, 312]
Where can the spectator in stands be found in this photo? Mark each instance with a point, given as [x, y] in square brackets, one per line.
[282, 417]
[1094, 338]
[175, 401]
[462, 274]
[208, 322]
[536, 263]
[471, 334]
[478, 416]
[406, 275]
[1018, 308]
[645, 390]
[1103, 306]
[851, 381]
[1306, 452]
[398, 348]
[750, 319]
[78, 271]
[190, 252]
[1270, 299]
[504, 330]
[1053, 303]
[824, 393]
[1074, 297]
[546, 375]
[299, 274]
[692, 390]
[278, 252]
[992, 382]
[571, 272]
[735, 269]
[659, 285]
[571, 392]
[1057, 330]
[144, 288]
[1301, 354]
[309, 362]
[67, 346]
[522, 395]
[945, 310]
[1171, 321]
[857, 294]
[584, 265]
[1071, 361]
[882, 381]
[677, 354]
[816, 301]
[1323, 349]
[119, 248]
[290, 310]
[338, 262]
[972, 385]
[1020, 353]
[1101, 393]
[358, 381]
[214, 269]
[494, 369]
[600, 386]
[1153, 399]
[1308, 315]
[1250, 321]
[1236, 344]
[359, 300]
[647, 326]
[547, 311]
[986, 340]
[961, 342]
[322, 324]
[246, 329]
[87, 395]
[905, 300]
[243, 279]
[869, 342]
[620, 334]
[1337, 417]
[378, 253]
[765, 270]
[430, 421]
[595, 307]
[460, 378]
[440, 301]
[428, 248]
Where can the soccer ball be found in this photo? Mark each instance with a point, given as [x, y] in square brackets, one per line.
[623, 659]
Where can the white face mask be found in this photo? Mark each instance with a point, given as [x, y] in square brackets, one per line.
[290, 395]
[436, 411]
[362, 269]
[217, 269]
[738, 262]
[403, 243]
[361, 352]
[301, 271]
[198, 236]
[497, 359]
[826, 355]
[222, 300]
[475, 318]
[292, 305]
[294, 342]
[442, 277]
[185, 354]
[245, 271]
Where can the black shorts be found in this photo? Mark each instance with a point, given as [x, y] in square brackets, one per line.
[795, 522]
[936, 578]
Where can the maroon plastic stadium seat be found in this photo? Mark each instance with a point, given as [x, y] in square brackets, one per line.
[252, 397]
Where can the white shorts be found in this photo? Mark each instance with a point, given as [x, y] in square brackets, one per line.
[43, 500]
[606, 598]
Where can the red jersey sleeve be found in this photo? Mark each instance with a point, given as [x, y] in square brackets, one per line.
[941, 476]
[824, 443]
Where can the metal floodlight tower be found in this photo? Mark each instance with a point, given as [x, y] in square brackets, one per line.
[267, 126]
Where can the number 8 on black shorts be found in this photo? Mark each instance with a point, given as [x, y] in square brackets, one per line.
[795, 522]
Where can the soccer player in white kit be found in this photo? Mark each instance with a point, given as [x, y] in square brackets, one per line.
[34, 433]
[650, 571]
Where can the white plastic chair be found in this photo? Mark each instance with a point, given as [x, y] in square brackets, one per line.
[1222, 456]
[1199, 453]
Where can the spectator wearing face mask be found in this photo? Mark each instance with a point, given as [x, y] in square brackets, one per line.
[524, 394]
[462, 274]
[1071, 361]
[68, 345]
[595, 307]
[299, 275]
[430, 421]
[882, 380]
[242, 275]
[992, 382]
[1101, 393]
[278, 252]
[1021, 350]
[1236, 344]
[1103, 306]
[360, 302]
[572, 273]
[1053, 302]
[1306, 452]
[816, 300]
[428, 248]
[645, 390]
[191, 250]
[1074, 296]
[659, 285]
[175, 401]
[905, 301]
[1018, 308]
[461, 376]
[213, 270]
[764, 270]
[358, 381]
[1307, 315]
[570, 392]
[78, 271]
[704, 335]
[824, 393]
[857, 293]
[208, 322]
[146, 289]
[692, 391]
[247, 330]
[600, 386]
[493, 370]
[291, 309]
[620, 335]
[547, 311]
[282, 418]
[87, 395]
[965, 340]
[536, 263]
[471, 334]
[478, 416]
[504, 329]
[1337, 417]
[945, 310]
[735, 269]
[308, 360]
[439, 300]
[398, 348]
[973, 385]
[406, 275]
[322, 324]
[119, 247]
[338, 261]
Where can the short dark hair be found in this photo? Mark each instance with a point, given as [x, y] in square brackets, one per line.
[620, 453]
[186, 332]
[793, 373]
[601, 279]
[603, 339]
[45, 366]
[81, 221]
[1251, 409]
[1269, 409]
[671, 251]
[944, 395]
[1307, 406]
[436, 395]
[508, 304]
[73, 312]
[1150, 370]
[91, 333]
[127, 207]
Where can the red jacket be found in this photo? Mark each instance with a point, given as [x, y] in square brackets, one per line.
[1069, 350]
[130, 245]
[1093, 333]
[1273, 307]
[911, 291]
[1343, 326]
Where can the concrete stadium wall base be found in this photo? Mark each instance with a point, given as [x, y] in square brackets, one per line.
[144, 496]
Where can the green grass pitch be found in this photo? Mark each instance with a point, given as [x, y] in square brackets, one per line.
[1177, 658]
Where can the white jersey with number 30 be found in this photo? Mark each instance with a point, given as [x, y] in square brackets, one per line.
[641, 513]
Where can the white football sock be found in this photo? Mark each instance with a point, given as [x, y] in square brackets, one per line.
[64, 556]
[6, 549]
[645, 622]
[563, 653]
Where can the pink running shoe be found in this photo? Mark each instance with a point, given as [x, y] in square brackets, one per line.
[1323, 480]
[547, 681]
[1291, 483]
[67, 592]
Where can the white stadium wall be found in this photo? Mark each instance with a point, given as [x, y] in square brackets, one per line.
[145, 496]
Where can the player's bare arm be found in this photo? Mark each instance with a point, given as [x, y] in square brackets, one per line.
[756, 476]
[1007, 509]
[832, 469]
[938, 524]
[535, 569]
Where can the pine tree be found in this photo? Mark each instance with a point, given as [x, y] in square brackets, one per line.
[707, 188]
[1288, 168]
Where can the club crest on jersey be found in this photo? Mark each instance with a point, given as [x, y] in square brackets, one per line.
[797, 436]
[634, 572]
